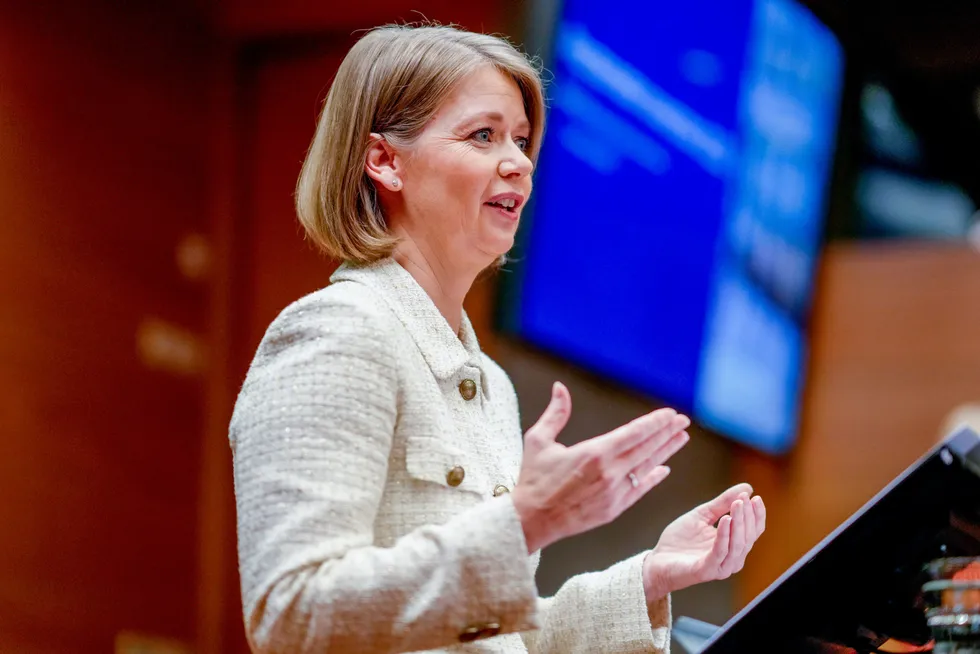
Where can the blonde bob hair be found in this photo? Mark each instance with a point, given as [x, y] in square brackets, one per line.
[391, 83]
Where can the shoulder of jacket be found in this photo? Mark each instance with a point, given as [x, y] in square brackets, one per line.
[340, 301]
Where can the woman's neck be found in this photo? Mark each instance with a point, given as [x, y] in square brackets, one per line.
[445, 283]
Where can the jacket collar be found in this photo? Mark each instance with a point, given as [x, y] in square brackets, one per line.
[444, 351]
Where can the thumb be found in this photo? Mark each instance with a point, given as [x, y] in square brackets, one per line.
[714, 509]
[555, 415]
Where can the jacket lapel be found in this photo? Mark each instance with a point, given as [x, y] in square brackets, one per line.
[444, 351]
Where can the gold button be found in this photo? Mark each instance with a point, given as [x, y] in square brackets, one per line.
[476, 632]
[490, 630]
[455, 476]
[499, 490]
[467, 388]
[469, 634]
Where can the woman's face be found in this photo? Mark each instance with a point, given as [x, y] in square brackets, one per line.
[467, 178]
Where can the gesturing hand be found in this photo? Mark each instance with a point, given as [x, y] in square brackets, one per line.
[563, 491]
[692, 550]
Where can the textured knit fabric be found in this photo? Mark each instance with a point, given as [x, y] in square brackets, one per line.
[353, 534]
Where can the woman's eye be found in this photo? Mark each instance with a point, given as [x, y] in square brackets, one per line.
[523, 143]
[483, 135]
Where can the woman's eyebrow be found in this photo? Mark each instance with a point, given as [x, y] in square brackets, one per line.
[494, 116]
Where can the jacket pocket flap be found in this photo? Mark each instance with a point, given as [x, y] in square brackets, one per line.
[431, 459]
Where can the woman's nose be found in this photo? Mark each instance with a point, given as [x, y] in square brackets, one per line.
[515, 163]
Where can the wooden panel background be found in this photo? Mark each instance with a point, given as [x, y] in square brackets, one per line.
[101, 175]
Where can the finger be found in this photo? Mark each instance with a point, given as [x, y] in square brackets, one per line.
[652, 478]
[641, 462]
[723, 538]
[652, 425]
[736, 545]
[661, 445]
[673, 445]
[733, 546]
[555, 415]
[759, 509]
[714, 509]
[743, 534]
[749, 516]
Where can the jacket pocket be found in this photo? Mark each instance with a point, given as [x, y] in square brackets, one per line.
[430, 459]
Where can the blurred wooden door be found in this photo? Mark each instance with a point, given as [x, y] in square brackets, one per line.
[285, 90]
[269, 264]
[102, 178]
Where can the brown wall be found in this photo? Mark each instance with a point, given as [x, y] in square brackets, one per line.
[896, 348]
[101, 174]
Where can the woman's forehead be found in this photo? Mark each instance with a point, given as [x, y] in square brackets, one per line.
[485, 93]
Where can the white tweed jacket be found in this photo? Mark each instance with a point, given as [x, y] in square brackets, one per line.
[373, 451]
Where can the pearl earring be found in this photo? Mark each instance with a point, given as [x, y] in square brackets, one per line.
[395, 182]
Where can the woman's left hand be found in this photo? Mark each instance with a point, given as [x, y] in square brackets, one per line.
[693, 550]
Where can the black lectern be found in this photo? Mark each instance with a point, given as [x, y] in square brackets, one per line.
[859, 590]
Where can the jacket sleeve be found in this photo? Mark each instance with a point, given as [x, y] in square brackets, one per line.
[602, 612]
[599, 612]
[311, 435]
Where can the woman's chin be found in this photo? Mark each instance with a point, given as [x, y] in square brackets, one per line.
[490, 251]
[501, 246]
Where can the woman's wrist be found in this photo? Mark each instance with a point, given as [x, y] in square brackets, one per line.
[535, 531]
[656, 585]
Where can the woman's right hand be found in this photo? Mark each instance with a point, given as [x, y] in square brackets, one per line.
[563, 491]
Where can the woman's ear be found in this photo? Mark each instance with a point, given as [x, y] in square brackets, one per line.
[381, 163]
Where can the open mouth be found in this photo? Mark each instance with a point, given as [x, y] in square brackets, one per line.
[510, 206]
[507, 203]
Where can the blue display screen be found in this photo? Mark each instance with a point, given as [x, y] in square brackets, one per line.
[679, 204]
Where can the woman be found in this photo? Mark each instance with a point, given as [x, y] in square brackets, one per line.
[387, 501]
